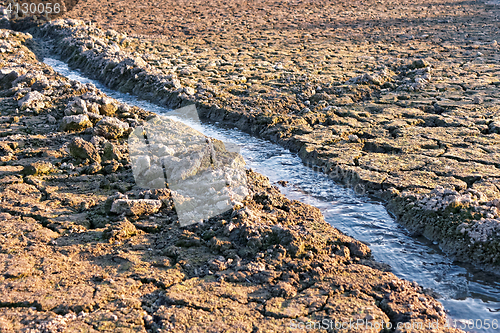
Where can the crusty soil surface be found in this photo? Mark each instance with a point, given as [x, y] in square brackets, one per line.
[398, 99]
[69, 262]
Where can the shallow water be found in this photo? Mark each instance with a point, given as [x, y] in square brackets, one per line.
[465, 293]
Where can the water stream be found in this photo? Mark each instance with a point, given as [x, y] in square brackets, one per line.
[465, 292]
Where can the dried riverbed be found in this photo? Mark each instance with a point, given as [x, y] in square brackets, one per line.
[464, 292]
[70, 261]
[398, 100]
[415, 123]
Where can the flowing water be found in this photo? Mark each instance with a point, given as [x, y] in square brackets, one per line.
[466, 294]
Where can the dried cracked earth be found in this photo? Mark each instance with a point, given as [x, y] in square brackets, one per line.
[84, 249]
[396, 99]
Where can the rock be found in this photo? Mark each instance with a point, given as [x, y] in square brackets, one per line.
[51, 120]
[5, 149]
[94, 117]
[75, 123]
[93, 108]
[4, 23]
[67, 166]
[38, 168]
[176, 83]
[353, 138]
[84, 150]
[92, 168]
[111, 128]
[33, 100]
[7, 76]
[111, 152]
[189, 90]
[108, 108]
[41, 84]
[217, 264]
[420, 63]
[120, 231]
[112, 198]
[135, 207]
[367, 79]
[111, 166]
[495, 127]
[78, 106]
[98, 140]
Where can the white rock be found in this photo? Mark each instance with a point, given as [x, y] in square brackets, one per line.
[33, 100]
[189, 90]
[353, 138]
[135, 207]
[76, 107]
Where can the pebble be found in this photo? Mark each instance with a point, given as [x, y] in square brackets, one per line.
[75, 123]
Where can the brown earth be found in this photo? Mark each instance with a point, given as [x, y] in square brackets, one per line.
[68, 264]
[397, 99]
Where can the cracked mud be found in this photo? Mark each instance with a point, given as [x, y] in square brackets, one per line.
[406, 108]
[73, 260]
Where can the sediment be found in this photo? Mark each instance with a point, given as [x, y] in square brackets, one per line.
[84, 249]
[410, 115]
